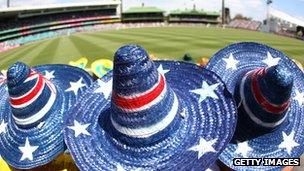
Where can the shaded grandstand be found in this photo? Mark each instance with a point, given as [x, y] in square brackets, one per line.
[143, 14]
[18, 22]
[193, 16]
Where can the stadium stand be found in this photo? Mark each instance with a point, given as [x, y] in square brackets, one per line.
[284, 24]
[21, 25]
[193, 16]
[143, 14]
[27, 24]
[50, 18]
[245, 24]
[17, 22]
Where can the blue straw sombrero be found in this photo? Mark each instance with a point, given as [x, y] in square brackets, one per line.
[31, 111]
[162, 115]
[268, 88]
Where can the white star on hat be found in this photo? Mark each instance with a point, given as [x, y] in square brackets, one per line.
[271, 61]
[49, 75]
[104, 88]
[3, 126]
[161, 70]
[119, 168]
[203, 147]
[299, 97]
[206, 91]
[79, 128]
[75, 86]
[27, 150]
[288, 142]
[243, 148]
[231, 62]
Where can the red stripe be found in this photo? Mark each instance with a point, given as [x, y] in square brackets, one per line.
[31, 95]
[140, 101]
[268, 106]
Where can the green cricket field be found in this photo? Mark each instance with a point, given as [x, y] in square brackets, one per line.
[162, 42]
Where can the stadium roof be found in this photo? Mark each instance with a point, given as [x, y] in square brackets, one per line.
[54, 6]
[286, 17]
[194, 12]
[143, 10]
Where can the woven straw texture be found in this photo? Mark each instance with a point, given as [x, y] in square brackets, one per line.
[47, 136]
[251, 56]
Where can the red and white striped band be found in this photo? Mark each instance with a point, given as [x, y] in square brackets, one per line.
[143, 100]
[268, 106]
[253, 116]
[29, 97]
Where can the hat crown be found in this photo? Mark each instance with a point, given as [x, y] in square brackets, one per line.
[31, 95]
[265, 97]
[130, 54]
[279, 82]
[143, 105]
[133, 71]
[17, 73]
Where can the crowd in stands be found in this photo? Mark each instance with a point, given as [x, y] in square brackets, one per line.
[12, 43]
[286, 33]
[6, 46]
[36, 20]
[245, 24]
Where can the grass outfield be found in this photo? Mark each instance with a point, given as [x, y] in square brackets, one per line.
[165, 43]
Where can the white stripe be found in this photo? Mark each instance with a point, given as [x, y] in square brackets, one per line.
[143, 93]
[32, 100]
[41, 113]
[31, 78]
[151, 130]
[28, 79]
[153, 102]
[249, 112]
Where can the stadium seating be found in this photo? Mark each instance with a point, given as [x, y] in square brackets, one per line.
[193, 16]
[55, 19]
[245, 24]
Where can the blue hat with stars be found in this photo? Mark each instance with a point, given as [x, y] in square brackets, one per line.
[145, 115]
[268, 88]
[32, 108]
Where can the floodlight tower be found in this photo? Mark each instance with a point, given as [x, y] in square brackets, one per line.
[121, 8]
[223, 12]
[194, 5]
[8, 3]
[269, 2]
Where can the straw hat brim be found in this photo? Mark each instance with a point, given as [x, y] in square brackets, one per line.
[250, 56]
[210, 119]
[47, 136]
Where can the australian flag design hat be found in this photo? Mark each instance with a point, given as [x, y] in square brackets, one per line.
[151, 115]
